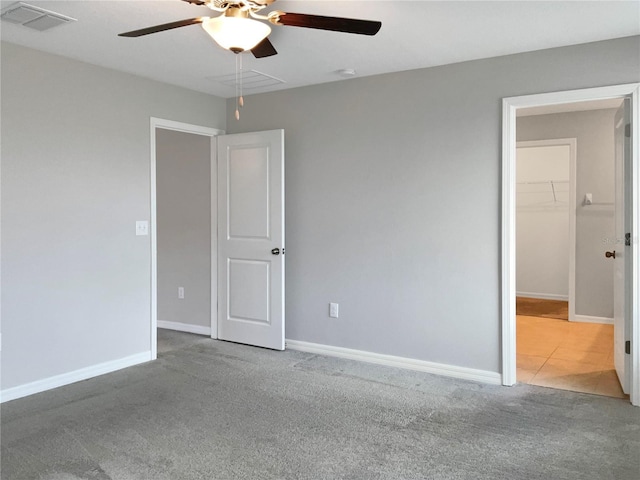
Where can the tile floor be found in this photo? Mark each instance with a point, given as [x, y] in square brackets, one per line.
[566, 355]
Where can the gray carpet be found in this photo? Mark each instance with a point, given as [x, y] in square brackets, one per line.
[216, 410]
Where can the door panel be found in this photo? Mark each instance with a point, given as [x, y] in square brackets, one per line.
[251, 238]
[249, 282]
[248, 192]
[620, 271]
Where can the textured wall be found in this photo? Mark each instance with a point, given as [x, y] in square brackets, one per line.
[393, 198]
[183, 178]
[76, 287]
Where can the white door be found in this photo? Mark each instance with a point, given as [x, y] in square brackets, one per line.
[620, 270]
[251, 238]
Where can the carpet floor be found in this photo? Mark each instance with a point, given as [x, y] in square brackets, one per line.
[214, 410]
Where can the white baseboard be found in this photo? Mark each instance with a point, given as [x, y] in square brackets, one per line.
[185, 327]
[72, 377]
[589, 319]
[543, 296]
[400, 362]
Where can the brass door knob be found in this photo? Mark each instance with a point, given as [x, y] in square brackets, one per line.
[610, 254]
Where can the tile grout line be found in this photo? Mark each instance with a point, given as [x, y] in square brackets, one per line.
[600, 377]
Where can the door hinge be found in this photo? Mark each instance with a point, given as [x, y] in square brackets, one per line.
[627, 347]
[627, 239]
[627, 130]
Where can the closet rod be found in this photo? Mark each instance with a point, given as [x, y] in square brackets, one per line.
[542, 182]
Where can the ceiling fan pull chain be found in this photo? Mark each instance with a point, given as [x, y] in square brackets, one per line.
[241, 99]
[237, 96]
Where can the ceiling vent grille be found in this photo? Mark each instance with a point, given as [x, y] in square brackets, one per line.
[250, 80]
[32, 17]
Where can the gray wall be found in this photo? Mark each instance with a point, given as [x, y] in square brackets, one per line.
[75, 178]
[393, 198]
[594, 131]
[183, 179]
[393, 203]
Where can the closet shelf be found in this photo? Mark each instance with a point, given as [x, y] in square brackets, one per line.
[544, 182]
[546, 186]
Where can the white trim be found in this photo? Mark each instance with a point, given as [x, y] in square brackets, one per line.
[153, 231]
[72, 377]
[452, 371]
[634, 300]
[572, 143]
[573, 219]
[185, 127]
[213, 331]
[508, 266]
[590, 319]
[197, 130]
[185, 327]
[543, 296]
[509, 108]
[572, 96]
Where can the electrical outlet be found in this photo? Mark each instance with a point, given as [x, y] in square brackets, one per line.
[181, 293]
[142, 227]
[333, 310]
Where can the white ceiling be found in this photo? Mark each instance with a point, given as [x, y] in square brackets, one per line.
[415, 34]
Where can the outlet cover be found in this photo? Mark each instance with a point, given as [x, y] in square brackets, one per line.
[142, 227]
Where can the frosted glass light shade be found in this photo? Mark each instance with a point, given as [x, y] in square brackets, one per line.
[236, 34]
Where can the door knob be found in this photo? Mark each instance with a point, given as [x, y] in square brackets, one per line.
[275, 251]
[610, 254]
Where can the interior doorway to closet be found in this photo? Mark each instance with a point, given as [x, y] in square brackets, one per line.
[565, 217]
[183, 231]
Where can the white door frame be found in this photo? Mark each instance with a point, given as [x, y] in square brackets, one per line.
[196, 130]
[508, 311]
[572, 144]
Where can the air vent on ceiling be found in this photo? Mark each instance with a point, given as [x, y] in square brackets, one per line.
[33, 17]
[250, 80]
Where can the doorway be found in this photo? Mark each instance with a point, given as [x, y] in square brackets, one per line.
[245, 237]
[556, 347]
[546, 217]
[511, 106]
[182, 299]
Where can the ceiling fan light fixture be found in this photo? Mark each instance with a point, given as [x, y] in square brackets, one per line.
[236, 33]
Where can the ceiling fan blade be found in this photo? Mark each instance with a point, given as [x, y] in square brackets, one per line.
[163, 27]
[264, 49]
[336, 24]
[195, 2]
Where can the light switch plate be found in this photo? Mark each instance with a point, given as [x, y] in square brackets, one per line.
[588, 198]
[142, 227]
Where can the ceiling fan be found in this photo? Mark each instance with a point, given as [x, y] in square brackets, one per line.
[241, 27]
